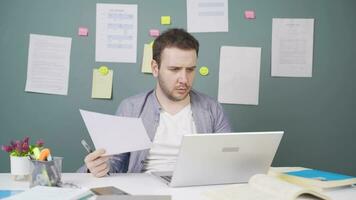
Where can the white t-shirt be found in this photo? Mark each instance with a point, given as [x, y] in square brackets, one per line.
[164, 152]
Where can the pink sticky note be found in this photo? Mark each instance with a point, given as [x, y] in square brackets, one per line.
[154, 32]
[82, 31]
[250, 14]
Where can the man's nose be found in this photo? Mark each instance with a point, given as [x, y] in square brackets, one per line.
[183, 77]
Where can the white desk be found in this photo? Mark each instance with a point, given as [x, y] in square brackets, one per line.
[145, 184]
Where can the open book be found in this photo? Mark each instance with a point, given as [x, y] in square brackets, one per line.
[265, 187]
[312, 178]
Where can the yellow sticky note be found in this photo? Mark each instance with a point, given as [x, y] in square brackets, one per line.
[147, 58]
[204, 70]
[102, 84]
[165, 20]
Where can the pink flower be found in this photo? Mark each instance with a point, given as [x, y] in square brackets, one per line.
[21, 147]
[26, 139]
[6, 148]
[18, 146]
[13, 144]
[39, 143]
[25, 147]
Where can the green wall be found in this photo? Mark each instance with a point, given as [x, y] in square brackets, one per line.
[317, 114]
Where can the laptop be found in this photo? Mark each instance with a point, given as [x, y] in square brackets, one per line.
[222, 158]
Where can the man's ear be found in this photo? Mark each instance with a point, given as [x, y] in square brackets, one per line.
[154, 68]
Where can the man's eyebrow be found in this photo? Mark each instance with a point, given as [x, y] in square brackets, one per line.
[192, 67]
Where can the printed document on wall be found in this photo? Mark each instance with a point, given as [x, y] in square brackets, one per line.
[207, 16]
[116, 33]
[292, 47]
[48, 64]
[239, 75]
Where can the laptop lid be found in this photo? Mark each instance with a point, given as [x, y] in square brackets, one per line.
[224, 157]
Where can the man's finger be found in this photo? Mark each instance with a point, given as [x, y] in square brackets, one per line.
[94, 155]
[98, 162]
[100, 168]
[102, 173]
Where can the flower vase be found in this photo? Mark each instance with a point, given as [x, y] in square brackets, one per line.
[20, 167]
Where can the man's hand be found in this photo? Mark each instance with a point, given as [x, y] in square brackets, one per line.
[97, 164]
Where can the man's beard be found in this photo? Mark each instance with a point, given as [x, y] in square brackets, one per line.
[170, 95]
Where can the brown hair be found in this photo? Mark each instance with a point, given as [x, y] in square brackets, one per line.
[174, 38]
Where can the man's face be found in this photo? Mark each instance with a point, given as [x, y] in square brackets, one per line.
[176, 73]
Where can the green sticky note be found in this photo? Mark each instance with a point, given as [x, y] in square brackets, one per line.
[102, 84]
[147, 58]
[104, 70]
[165, 20]
[204, 70]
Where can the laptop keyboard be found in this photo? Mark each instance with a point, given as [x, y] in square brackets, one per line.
[167, 178]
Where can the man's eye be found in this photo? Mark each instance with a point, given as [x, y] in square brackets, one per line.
[175, 69]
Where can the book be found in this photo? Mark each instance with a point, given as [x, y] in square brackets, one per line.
[313, 178]
[45, 193]
[8, 193]
[261, 186]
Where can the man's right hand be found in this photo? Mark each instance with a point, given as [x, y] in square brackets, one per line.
[96, 164]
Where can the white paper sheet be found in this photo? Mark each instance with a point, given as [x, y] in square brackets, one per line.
[292, 47]
[116, 134]
[207, 16]
[239, 75]
[48, 64]
[116, 33]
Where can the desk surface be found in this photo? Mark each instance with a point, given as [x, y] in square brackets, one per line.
[145, 184]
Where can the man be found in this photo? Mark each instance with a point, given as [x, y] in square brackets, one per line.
[168, 112]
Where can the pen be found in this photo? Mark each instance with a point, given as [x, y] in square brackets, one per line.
[87, 147]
